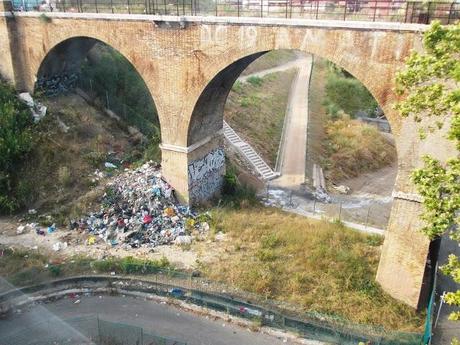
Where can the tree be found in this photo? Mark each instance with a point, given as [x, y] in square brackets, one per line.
[431, 95]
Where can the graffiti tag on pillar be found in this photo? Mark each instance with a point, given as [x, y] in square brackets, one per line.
[205, 175]
[213, 161]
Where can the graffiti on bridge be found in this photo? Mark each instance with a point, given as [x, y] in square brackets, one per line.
[205, 175]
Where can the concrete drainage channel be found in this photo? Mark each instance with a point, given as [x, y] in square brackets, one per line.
[227, 307]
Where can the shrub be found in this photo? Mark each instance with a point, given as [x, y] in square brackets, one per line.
[347, 95]
[255, 81]
[16, 141]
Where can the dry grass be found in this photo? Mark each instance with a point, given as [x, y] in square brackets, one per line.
[256, 111]
[353, 147]
[60, 168]
[315, 265]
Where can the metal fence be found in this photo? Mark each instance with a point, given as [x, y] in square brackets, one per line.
[226, 299]
[90, 329]
[352, 10]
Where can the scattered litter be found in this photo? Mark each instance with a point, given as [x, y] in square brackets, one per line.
[183, 240]
[139, 209]
[37, 109]
[91, 240]
[32, 211]
[342, 189]
[77, 301]
[109, 165]
[20, 229]
[59, 245]
[51, 229]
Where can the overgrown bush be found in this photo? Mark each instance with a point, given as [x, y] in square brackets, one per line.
[16, 141]
[347, 94]
[117, 83]
[353, 147]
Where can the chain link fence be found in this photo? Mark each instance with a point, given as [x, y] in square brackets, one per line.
[84, 330]
[223, 298]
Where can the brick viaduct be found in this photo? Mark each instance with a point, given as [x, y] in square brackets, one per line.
[189, 65]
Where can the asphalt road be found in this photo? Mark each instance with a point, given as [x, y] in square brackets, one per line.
[157, 318]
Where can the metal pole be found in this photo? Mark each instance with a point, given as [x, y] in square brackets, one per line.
[314, 206]
[129, 9]
[238, 7]
[407, 12]
[375, 11]
[177, 7]
[317, 8]
[216, 7]
[367, 217]
[428, 14]
[261, 8]
[450, 12]
[95, 3]
[111, 5]
[345, 11]
[165, 5]
[107, 97]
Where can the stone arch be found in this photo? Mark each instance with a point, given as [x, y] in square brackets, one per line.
[207, 115]
[65, 58]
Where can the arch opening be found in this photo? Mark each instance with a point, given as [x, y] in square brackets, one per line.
[360, 143]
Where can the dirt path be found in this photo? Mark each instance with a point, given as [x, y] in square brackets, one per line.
[293, 153]
[281, 68]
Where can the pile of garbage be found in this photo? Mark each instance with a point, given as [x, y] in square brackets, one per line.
[139, 209]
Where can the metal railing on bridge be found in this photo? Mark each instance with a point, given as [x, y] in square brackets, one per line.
[421, 12]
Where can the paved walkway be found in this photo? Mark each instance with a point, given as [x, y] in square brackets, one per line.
[293, 151]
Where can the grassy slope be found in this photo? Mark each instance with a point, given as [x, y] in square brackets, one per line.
[60, 168]
[317, 117]
[346, 148]
[271, 59]
[315, 265]
[256, 112]
[353, 148]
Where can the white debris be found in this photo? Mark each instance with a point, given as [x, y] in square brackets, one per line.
[59, 246]
[183, 239]
[342, 189]
[110, 165]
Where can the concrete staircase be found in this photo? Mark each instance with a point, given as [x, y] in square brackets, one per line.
[262, 168]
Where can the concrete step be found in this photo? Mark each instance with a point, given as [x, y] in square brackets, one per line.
[262, 168]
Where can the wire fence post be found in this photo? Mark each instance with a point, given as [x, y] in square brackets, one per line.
[238, 7]
[98, 329]
[345, 11]
[450, 12]
[129, 8]
[95, 3]
[375, 11]
[367, 217]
